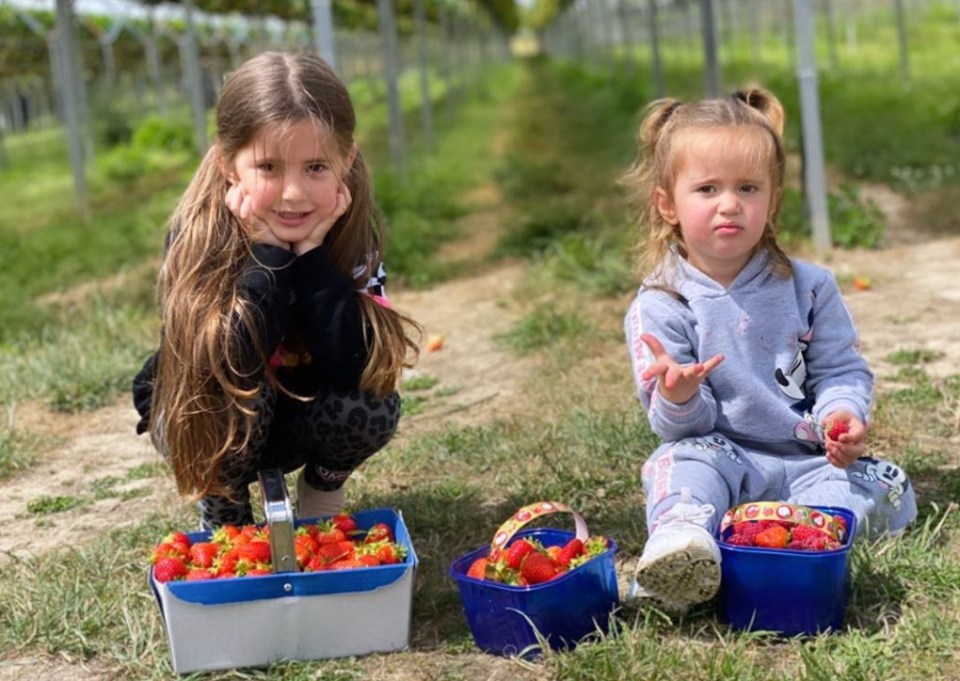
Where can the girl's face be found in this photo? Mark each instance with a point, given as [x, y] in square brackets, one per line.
[721, 199]
[292, 177]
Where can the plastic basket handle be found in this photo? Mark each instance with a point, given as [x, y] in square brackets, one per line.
[777, 510]
[506, 531]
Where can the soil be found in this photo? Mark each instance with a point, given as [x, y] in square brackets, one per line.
[913, 302]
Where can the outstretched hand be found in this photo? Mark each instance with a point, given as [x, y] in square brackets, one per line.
[319, 233]
[241, 205]
[676, 382]
[845, 439]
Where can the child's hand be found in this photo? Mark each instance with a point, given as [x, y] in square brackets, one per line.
[675, 382]
[241, 205]
[848, 441]
[319, 233]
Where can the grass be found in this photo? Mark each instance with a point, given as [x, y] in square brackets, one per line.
[580, 439]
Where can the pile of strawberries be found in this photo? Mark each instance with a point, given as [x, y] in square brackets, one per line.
[779, 534]
[234, 551]
[526, 561]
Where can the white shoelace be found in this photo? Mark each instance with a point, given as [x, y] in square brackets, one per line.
[685, 511]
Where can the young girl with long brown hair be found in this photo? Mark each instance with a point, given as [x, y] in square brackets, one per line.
[278, 347]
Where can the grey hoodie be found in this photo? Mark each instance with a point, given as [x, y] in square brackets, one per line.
[790, 346]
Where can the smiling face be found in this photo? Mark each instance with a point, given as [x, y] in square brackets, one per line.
[292, 177]
[721, 198]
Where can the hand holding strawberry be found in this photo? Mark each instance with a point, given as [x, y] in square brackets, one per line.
[846, 435]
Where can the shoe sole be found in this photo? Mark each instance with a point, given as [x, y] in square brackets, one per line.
[684, 577]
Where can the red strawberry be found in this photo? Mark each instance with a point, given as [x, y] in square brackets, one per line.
[173, 550]
[202, 554]
[553, 553]
[739, 540]
[774, 537]
[346, 564]
[177, 538]
[516, 552]
[379, 532]
[251, 531]
[304, 547]
[307, 541]
[225, 534]
[478, 569]
[329, 553]
[537, 568]
[255, 551]
[197, 574]
[327, 534]
[368, 559]
[344, 522]
[573, 549]
[801, 532]
[226, 566]
[169, 568]
[315, 564]
[390, 553]
[747, 532]
[837, 429]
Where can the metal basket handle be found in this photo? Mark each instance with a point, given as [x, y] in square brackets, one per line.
[279, 514]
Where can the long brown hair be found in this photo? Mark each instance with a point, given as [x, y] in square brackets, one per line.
[204, 405]
[657, 165]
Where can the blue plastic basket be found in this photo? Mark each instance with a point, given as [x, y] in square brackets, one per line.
[506, 620]
[785, 591]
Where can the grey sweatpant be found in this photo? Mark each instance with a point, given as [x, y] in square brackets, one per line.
[723, 474]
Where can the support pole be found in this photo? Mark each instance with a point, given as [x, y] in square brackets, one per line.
[812, 134]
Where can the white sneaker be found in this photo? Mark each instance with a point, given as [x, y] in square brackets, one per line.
[316, 503]
[680, 565]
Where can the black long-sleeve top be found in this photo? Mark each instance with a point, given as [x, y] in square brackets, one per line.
[303, 304]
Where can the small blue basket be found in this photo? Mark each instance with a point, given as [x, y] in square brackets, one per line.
[784, 591]
[505, 620]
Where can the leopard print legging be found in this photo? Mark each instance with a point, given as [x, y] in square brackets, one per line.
[331, 435]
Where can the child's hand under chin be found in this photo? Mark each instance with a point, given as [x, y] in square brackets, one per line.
[848, 445]
[319, 233]
[241, 205]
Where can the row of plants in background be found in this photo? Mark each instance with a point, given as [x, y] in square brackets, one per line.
[422, 201]
[559, 175]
